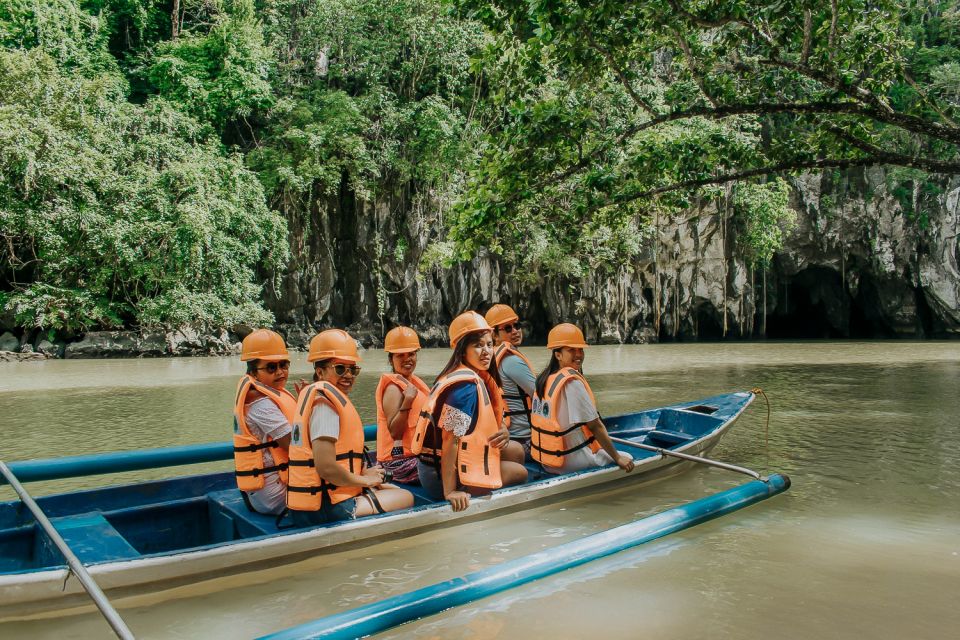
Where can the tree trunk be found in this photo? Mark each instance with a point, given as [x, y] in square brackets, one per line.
[175, 20]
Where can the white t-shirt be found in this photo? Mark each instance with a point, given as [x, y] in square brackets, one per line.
[324, 421]
[574, 406]
[264, 420]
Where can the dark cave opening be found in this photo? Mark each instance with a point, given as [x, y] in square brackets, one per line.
[708, 322]
[816, 303]
[811, 304]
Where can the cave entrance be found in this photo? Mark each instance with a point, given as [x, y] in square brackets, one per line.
[866, 315]
[708, 322]
[811, 304]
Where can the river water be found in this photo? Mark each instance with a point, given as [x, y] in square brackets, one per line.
[866, 543]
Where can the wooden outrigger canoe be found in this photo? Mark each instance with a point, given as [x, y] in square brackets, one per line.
[153, 535]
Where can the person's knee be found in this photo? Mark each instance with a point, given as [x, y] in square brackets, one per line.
[398, 499]
[513, 473]
[513, 452]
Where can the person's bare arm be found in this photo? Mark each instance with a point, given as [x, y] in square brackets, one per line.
[599, 431]
[459, 500]
[396, 407]
[325, 460]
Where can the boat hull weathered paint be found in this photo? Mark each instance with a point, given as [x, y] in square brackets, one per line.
[111, 526]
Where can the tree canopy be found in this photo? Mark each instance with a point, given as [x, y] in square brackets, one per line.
[612, 111]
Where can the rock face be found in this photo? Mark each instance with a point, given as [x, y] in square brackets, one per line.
[9, 342]
[127, 344]
[861, 262]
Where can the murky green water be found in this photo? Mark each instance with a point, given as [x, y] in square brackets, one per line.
[866, 544]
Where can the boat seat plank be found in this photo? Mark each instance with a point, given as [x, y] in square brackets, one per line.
[90, 536]
[231, 519]
[669, 436]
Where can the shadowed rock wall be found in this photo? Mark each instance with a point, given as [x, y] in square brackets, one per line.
[856, 265]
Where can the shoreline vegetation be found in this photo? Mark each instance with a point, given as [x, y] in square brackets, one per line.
[657, 171]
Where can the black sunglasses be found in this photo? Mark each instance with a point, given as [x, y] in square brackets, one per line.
[341, 369]
[510, 327]
[273, 366]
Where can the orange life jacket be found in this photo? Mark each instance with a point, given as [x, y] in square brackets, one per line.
[248, 459]
[385, 441]
[478, 464]
[306, 488]
[546, 444]
[502, 351]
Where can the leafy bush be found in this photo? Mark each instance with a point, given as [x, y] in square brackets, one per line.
[116, 214]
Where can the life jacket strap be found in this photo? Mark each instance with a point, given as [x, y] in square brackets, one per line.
[246, 501]
[566, 452]
[280, 517]
[269, 444]
[310, 490]
[302, 463]
[372, 497]
[258, 472]
[550, 432]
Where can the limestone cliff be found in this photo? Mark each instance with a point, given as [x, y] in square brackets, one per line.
[860, 263]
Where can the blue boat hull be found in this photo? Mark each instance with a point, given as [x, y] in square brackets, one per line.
[159, 533]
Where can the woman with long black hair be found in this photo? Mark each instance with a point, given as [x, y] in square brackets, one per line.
[567, 433]
[462, 441]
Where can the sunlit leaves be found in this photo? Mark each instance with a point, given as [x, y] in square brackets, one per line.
[122, 214]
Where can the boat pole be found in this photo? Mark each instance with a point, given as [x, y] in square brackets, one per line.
[687, 456]
[380, 616]
[99, 598]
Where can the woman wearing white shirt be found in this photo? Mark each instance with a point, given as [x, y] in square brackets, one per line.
[567, 431]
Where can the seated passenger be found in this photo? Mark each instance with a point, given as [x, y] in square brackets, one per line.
[567, 432]
[329, 479]
[461, 437]
[516, 372]
[400, 395]
[262, 417]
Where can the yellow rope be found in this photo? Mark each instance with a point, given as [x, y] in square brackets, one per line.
[766, 428]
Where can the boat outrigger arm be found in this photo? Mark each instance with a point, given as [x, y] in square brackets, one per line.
[96, 593]
[686, 456]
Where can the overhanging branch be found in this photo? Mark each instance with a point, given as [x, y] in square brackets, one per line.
[882, 158]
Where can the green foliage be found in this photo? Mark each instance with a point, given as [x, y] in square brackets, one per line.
[122, 214]
[75, 38]
[764, 217]
[379, 95]
[217, 73]
[316, 142]
[138, 157]
[646, 104]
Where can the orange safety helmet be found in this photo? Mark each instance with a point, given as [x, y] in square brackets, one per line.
[566, 335]
[333, 343]
[466, 322]
[264, 344]
[500, 314]
[401, 340]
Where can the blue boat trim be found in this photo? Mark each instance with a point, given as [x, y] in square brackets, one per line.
[385, 614]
